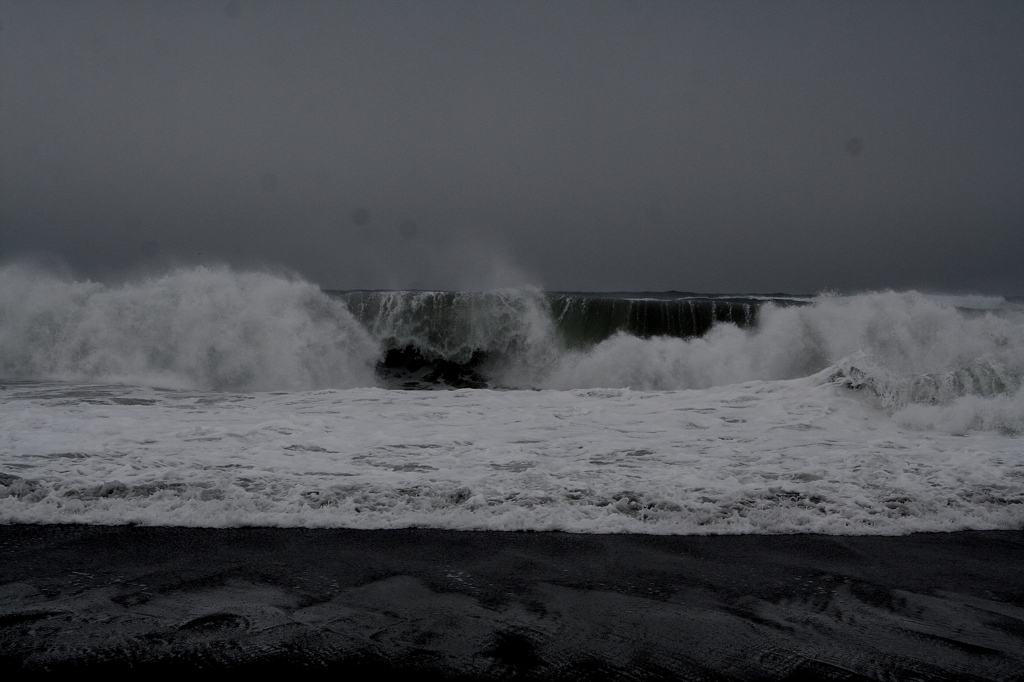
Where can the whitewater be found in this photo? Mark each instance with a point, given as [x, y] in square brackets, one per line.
[213, 397]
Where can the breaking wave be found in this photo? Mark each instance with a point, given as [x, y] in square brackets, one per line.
[931, 362]
[197, 328]
[887, 336]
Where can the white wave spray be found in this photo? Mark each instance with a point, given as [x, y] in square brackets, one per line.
[198, 328]
[921, 359]
[930, 364]
[902, 334]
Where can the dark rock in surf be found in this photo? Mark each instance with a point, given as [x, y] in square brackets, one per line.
[408, 368]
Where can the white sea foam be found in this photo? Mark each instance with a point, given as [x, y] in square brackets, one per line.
[1001, 413]
[805, 455]
[878, 413]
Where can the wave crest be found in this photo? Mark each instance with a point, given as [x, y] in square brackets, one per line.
[198, 328]
[214, 328]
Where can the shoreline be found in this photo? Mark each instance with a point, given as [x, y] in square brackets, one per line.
[457, 605]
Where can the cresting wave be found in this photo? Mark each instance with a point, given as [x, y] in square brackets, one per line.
[193, 398]
[196, 328]
[225, 330]
[513, 337]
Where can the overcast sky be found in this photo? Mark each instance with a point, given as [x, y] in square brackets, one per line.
[715, 146]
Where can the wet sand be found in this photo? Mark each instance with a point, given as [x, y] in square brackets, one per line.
[496, 606]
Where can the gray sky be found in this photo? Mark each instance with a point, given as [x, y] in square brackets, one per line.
[575, 146]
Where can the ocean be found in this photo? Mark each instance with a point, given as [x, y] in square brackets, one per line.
[212, 397]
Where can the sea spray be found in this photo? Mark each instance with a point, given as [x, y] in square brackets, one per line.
[198, 328]
[932, 347]
[458, 339]
[227, 330]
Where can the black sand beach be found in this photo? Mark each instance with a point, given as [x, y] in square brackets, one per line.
[488, 605]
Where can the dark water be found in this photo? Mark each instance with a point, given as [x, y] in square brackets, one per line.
[450, 338]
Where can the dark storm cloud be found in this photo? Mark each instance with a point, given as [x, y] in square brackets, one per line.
[633, 145]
